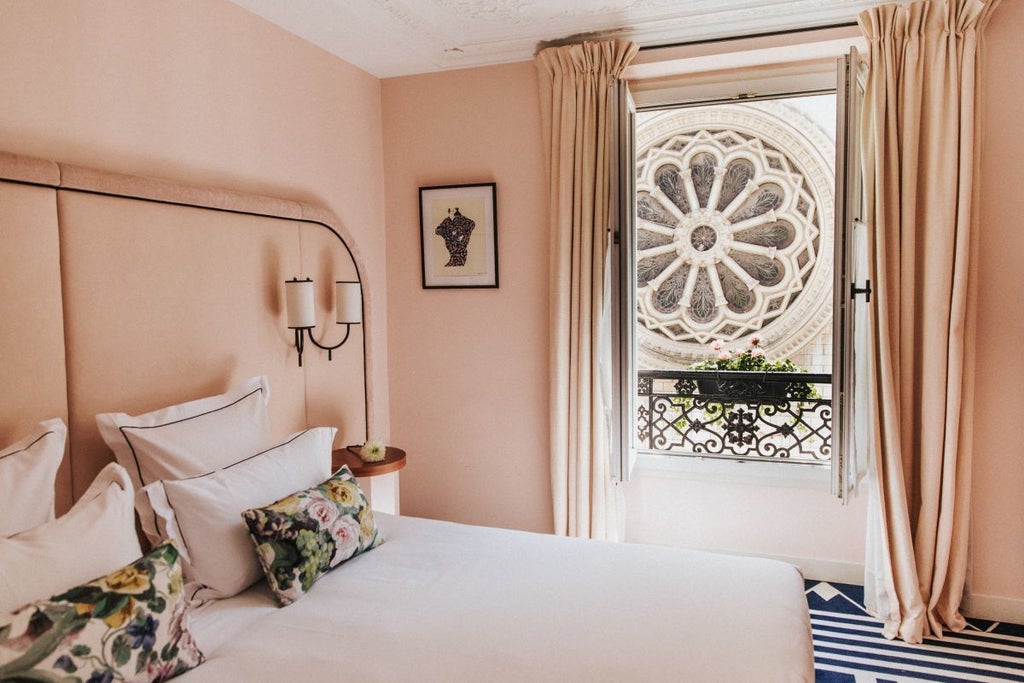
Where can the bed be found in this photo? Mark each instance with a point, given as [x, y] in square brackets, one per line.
[447, 602]
[92, 257]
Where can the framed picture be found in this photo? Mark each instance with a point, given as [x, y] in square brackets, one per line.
[459, 236]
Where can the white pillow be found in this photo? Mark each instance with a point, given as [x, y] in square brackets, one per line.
[96, 536]
[28, 470]
[204, 513]
[188, 439]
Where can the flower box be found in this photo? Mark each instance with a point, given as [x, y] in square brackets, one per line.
[741, 385]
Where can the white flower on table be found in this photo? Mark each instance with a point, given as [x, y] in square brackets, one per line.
[373, 451]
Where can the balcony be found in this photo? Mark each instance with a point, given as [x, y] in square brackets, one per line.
[778, 416]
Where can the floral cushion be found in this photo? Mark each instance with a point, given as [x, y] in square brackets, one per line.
[130, 625]
[302, 537]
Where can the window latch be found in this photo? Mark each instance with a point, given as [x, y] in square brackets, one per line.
[865, 290]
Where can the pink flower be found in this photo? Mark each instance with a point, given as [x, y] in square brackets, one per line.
[754, 341]
[345, 532]
[160, 671]
[717, 345]
[322, 511]
[757, 353]
[724, 355]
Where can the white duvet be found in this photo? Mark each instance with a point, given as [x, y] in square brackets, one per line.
[449, 602]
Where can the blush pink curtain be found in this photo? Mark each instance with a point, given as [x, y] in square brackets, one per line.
[579, 110]
[921, 178]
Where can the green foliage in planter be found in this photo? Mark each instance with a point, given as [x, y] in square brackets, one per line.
[750, 359]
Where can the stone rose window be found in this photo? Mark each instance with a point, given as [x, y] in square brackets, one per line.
[734, 230]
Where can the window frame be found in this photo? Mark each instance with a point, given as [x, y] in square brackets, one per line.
[789, 70]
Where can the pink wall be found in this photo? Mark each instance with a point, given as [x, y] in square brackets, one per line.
[780, 513]
[999, 427]
[200, 92]
[469, 368]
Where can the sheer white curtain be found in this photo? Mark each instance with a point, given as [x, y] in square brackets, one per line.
[921, 177]
[578, 96]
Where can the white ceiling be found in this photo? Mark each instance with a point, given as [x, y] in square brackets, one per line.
[399, 37]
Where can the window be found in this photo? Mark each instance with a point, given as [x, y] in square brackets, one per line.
[729, 259]
[733, 249]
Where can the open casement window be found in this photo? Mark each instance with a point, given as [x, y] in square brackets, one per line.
[623, 282]
[852, 289]
[731, 234]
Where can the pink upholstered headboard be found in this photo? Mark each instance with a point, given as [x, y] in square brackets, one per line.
[128, 294]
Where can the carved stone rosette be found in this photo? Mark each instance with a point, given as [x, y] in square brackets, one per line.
[734, 230]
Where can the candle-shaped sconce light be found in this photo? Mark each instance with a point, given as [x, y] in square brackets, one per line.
[348, 302]
[302, 311]
[299, 298]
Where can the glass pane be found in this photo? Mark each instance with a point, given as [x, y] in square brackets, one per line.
[734, 257]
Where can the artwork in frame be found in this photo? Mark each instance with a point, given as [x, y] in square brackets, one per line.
[459, 236]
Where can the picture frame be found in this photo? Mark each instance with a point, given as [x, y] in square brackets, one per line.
[459, 236]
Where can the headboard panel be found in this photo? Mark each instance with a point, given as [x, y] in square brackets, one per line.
[32, 370]
[157, 294]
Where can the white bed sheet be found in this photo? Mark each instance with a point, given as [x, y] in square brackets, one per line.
[449, 602]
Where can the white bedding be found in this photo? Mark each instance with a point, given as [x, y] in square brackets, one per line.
[448, 602]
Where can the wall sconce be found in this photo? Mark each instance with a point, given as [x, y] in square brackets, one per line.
[348, 304]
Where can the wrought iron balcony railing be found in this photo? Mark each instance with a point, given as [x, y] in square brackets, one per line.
[736, 415]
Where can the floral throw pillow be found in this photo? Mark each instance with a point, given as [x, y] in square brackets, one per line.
[130, 625]
[302, 537]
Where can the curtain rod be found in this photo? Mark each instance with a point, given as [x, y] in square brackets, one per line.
[736, 99]
[765, 34]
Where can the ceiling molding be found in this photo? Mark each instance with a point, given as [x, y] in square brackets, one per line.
[401, 37]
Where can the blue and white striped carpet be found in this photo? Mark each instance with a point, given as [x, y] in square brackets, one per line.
[849, 647]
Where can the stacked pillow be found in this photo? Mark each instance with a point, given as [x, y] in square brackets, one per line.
[200, 465]
[28, 470]
[208, 485]
[203, 512]
[131, 624]
[40, 554]
[95, 536]
[93, 629]
[188, 439]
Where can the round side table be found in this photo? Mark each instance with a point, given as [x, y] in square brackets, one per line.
[394, 460]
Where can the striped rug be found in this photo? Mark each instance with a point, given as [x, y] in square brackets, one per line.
[849, 647]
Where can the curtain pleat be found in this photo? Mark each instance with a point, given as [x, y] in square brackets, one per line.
[579, 109]
[921, 173]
